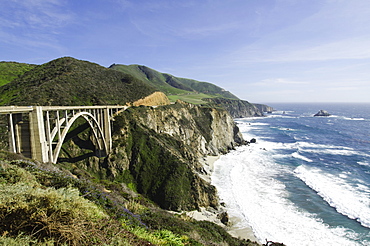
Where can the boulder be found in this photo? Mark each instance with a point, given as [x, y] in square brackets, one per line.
[224, 218]
[322, 113]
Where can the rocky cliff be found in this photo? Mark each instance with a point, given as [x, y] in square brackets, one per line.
[264, 108]
[157, 151]
[238, 108]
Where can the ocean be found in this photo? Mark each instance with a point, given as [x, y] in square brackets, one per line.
[306, 180]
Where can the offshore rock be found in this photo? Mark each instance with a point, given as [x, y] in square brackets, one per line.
[322, 113]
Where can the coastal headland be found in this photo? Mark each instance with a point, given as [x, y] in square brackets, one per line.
[161, 160]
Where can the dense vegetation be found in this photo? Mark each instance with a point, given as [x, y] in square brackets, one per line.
[67, 81]
[11, 70]
[42, 204]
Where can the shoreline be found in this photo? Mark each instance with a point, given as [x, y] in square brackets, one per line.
[210, 214]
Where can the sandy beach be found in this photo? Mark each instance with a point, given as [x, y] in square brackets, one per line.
[234, 228]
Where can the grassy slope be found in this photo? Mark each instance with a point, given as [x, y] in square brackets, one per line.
[43, 204]
[149, 75]
[11, 70]
[176, 88]
[68, 81]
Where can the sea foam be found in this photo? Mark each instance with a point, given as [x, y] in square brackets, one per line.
[247, 182]
[351, 200]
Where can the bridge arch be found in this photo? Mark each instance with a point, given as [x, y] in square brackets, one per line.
[94, 125]
[38, 132]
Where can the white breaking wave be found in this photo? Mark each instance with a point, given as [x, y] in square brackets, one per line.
[352, 201]
[281, 116]
[259, 124]
[246, 182]
[334, 151]
[364, 163]
[327, 149]
[354, 118]
[322, 146]
[298, 156]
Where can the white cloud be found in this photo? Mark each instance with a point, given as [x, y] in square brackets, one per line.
[35, 14]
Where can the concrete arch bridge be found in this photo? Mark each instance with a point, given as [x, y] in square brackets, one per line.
[38, 132]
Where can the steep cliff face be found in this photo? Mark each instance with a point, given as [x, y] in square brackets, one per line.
[158, 150]
[237, 108]
[264, 108]
[208, 131]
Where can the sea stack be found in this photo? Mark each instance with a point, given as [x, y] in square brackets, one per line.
[322, 113]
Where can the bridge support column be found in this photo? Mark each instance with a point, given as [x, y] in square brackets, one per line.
[39, 150]
[107, 130]
[12, 136]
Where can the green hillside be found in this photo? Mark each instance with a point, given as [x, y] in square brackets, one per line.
[68, 81]
[175, 88]
[11, 70]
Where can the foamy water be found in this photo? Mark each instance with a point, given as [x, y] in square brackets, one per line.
[246, 181]
[293, 190]
[352, 200]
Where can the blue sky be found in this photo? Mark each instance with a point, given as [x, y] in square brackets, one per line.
[260, 50]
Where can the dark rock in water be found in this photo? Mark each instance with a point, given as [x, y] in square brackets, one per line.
[322, 113]
[253, 140]
[224, 218]
[271, 243]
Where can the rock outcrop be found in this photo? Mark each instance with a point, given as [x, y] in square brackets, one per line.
[238, 108]
[322, 113]
[264, 108]
[157, 150]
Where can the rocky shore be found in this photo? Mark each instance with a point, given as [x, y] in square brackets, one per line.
[232, 225]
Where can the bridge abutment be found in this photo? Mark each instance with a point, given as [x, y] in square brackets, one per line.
[39, 148]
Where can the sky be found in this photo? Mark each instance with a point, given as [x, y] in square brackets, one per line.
[260, 50]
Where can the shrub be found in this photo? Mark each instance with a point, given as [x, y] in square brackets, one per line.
[13, 174]
[46, 213]
[22, 240]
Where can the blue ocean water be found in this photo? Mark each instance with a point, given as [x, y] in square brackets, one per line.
[306, 181]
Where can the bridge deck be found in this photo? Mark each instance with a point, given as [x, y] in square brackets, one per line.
[25, 109]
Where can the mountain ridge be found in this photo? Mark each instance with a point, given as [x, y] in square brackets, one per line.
[69, 81]
[170, 84]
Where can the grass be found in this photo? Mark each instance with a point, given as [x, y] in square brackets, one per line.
[11, 70]
[172, 85]
[41, 204]
[194, 98]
